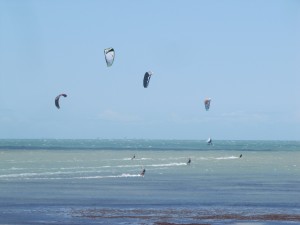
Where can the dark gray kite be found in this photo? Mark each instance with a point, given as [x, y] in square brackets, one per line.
[57, 100]
[147, 78]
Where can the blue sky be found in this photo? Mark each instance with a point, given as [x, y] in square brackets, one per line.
[243, 54]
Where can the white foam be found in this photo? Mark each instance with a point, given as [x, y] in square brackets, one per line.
[124, 175]
[228, 157]
[167, 165]
[39, 176]
[16, 175]
[135, 159]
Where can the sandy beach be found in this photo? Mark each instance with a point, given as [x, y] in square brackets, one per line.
[190, 217]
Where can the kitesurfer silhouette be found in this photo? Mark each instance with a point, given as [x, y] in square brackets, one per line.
[189, 162]
[143, 172]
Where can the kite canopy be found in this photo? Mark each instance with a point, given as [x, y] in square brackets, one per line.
[57, 100]
[207, 103]
[147, 77]
[109, 54]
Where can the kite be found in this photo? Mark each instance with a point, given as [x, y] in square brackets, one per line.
[147, 78]
[57, 100]
[109, 54]
[207, 103]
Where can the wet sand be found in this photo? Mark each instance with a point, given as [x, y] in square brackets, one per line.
[183, 217]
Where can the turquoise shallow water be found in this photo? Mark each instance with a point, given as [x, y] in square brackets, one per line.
[97, 182]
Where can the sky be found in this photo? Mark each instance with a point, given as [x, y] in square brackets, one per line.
[244, 55]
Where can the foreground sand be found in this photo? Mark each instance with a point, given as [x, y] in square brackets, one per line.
[190, 217]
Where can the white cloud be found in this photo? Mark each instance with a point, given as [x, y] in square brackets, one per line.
[242, 116]
[7, 115]
[175, 117]
[237, 116]
[5, 119]
[111, 115]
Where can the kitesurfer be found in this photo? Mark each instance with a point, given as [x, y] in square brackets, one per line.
[241, 155]
[209, 141]
[189, 162]
[143, 172]
[133, 157]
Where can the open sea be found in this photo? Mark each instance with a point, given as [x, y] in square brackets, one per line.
[98, 182]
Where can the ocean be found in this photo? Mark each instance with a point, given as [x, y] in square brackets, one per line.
[49, 181]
